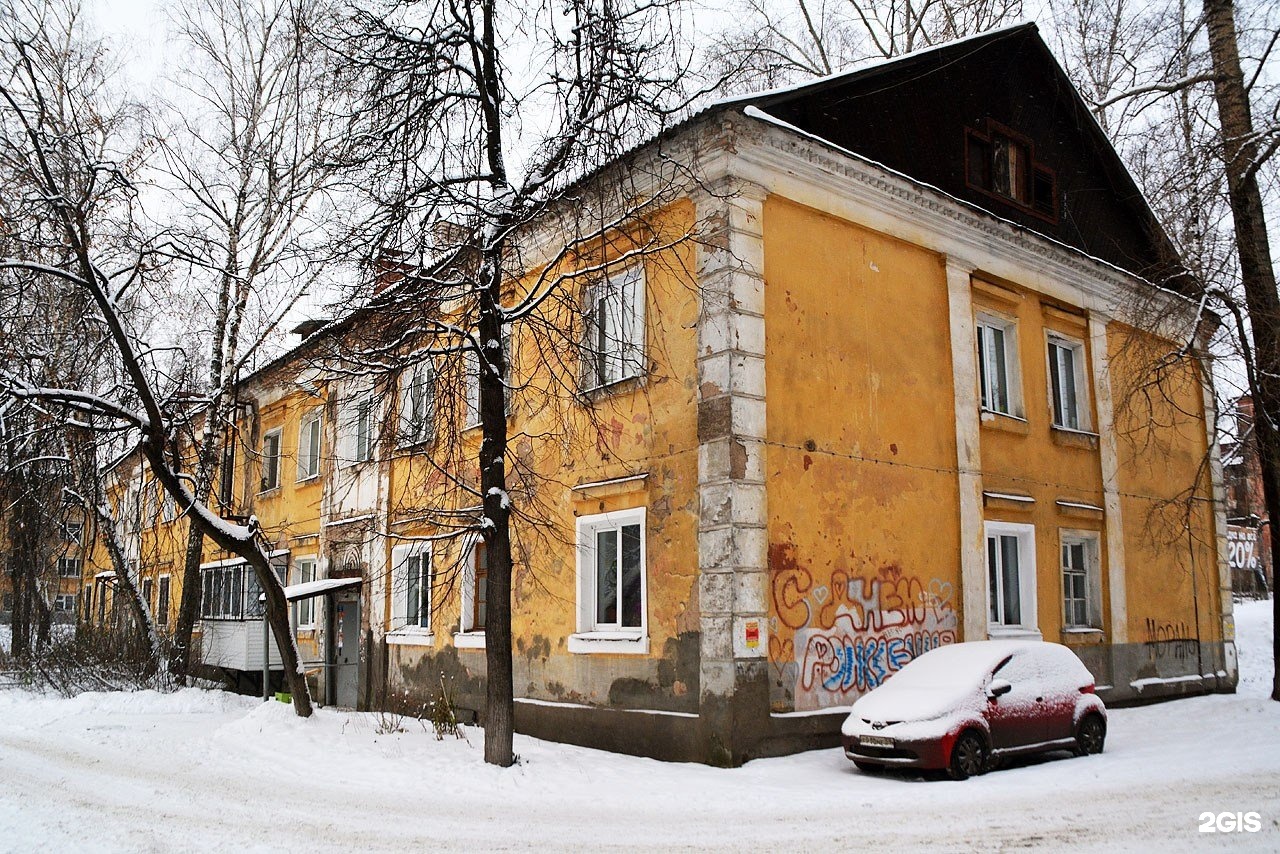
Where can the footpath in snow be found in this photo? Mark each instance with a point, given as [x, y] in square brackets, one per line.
[218, 772]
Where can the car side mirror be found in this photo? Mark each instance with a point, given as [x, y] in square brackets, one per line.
[998, 688]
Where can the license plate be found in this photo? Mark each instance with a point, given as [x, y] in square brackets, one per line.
[875, 741]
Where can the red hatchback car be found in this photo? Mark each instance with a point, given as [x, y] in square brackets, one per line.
[963, 707]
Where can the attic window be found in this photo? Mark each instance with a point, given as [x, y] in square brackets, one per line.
[1001, 163]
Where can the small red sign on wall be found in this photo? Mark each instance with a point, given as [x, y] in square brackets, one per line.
[753, 634]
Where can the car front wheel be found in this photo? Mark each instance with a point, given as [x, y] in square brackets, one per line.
[1090, 735]
[968, 757]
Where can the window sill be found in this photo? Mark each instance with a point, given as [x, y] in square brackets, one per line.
[311, 478]
[1079, 635]
[410, 638]
[1004, 422]
[1013, 633]
[1069, 437]
[627, 643]
[469, 640]
[622, 386]
[270, 492]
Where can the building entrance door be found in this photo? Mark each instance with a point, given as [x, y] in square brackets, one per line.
[344, 649]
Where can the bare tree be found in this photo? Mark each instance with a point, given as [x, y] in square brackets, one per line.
[772, 44]
[71, 152]
[250, 168]
[476, 123]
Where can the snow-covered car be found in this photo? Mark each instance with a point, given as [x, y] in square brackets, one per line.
[963, 707]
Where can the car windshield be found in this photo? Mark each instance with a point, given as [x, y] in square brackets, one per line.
[951, 666]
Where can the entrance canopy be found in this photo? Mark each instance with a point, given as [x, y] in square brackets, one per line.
[311, 589]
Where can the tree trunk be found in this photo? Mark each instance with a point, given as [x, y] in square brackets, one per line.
[1257, 276]
[188, 602]
[499, 718]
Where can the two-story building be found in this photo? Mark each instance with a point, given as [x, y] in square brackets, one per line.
[904, 385]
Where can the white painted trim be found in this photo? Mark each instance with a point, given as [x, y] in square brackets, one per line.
[1079, 505]
[588, 635]
[1009, 496]
[1028, 576]
[1011, 350]
[623, 643]
[404, 637]
[612, 482]
[1109, 462]
[1084, 397]
[1092, 541]
[333, 523]
[315, 576]
[555, 704]
[469, 640]
[964, 377]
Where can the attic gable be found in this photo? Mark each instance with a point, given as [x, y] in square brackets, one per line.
[991, 120]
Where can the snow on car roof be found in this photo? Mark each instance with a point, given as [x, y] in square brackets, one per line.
[959, 662]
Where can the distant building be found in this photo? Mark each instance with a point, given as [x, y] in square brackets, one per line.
[1248, 524]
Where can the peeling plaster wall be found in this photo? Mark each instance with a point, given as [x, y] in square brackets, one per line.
[863, 509]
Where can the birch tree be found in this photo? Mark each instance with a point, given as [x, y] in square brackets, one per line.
[475, 121]
[71, 154]
[247, 157]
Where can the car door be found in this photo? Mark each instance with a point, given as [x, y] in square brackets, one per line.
[1017, 718]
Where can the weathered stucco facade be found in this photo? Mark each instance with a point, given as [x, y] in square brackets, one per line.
[817, 463]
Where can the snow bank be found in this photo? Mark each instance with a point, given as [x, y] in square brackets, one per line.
[1253, 647]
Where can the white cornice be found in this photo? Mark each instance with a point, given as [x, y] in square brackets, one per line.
[816, 174]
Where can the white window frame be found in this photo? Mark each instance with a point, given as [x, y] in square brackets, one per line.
[468, 635]
[310, 436]
[70, 567]
[65, 602]
[402, 564]
[1093, 578]
[75, 532]
[614, 329]
[417, 427]
[147, 589]
[592, 637]
[1056, 341]
[357, 427]
[985, 325]
[270, 462]
[471, 389]
[1028, 624]
[304, 610]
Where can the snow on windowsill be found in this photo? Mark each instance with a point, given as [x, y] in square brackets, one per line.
[587, 643]
[1013, 633]
[404, 637]
[469, 640]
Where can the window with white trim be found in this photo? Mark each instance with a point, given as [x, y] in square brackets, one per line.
[1081, 580]
[1068, 391]
[147, 587]
[270, 459]
[614, 331]
[357, 429]
[1011, 576]
[75, 532]
[65, 602]
[611, 583]
[999, 377]
[475, 598]
[69, 567]
[411, 589]
[417, 404]
[309, 445]
[304, 610]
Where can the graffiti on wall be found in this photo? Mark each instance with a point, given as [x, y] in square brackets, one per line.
[1170, 640]
[834, 642]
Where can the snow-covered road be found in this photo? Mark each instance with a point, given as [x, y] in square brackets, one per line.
[215, 772]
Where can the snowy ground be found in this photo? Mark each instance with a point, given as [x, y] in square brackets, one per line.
[215, 772]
